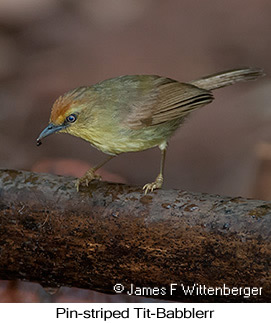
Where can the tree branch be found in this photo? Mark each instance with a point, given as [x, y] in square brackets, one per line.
[113, 233]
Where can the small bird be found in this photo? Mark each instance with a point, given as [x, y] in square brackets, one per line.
[134, 112]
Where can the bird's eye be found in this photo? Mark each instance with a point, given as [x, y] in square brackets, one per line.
[71, 118]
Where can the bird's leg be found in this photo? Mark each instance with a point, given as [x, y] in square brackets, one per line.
[90, 174]
[159, 179]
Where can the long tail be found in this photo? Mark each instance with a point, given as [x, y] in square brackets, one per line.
[226, 78]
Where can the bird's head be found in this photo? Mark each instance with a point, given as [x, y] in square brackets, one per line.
[67, 113]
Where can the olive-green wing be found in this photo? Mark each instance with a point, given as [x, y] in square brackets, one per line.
[167, 100]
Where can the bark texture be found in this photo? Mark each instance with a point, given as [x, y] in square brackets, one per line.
[113, 233]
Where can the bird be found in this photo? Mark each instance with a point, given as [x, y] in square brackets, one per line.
[132, 113]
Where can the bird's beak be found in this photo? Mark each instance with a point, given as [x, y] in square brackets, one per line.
[49, 130]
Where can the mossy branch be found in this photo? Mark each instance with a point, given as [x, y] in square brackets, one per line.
[113, 233]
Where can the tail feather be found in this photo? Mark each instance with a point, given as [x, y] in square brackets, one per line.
[215, 81]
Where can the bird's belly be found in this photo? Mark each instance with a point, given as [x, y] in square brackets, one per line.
[120, 145]
[116, 140]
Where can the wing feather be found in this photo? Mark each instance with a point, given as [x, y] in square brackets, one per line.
[168, 100]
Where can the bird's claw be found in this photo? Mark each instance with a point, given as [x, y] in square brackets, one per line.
[86, 179]
[150, 187]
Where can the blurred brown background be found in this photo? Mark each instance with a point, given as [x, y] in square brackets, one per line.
[48, 47]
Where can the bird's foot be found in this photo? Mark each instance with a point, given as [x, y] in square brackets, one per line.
[87, 178]
[155, 185]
